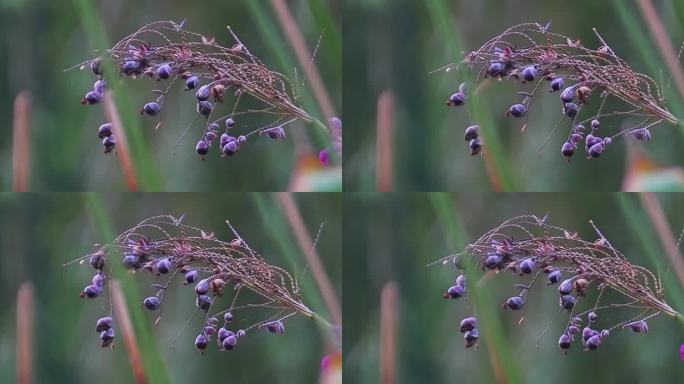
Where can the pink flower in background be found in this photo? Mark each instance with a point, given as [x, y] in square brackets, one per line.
[681, 352]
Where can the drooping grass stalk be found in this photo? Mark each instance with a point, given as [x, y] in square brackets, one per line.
[504, 363]
[496, 160]
[384, 170]
[131, 341]
[152, 360]
[643, 233]
[389, 312]
[149, 177]
[662, 228]
[276, 226]
[122, 144]
[25, 332]
[313, 259]
[21, 150]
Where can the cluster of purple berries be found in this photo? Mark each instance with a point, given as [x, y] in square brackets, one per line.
[104, 326]
[226, 339]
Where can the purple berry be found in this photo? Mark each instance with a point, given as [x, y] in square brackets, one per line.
[209, 330]
[202, 287]
[475, 146]
[467, 324]
[471, 337]
[109, 143]
[204, 108]
[104, 324]
[95, 67]
[564, 342]
[527, 266]
[596, 150]
[192, 82]
[492, 261]
[642, 134]
[230, 123]
[570, 110]
[229, 342]
[275, 133]
[275, 327]
[222, 334]
[164, 266]
[576, 138]
[472, 133]
[529, 73]
[152, 303]
[595, 124]
[457, 99]
[573, 330]
[230, 148]
[129, 67]
[461, 280]
[517, 110]
[605, 333]
[587, 333]
[131, 261]
[567, 95]
[242, 139]
[99, 280]
[152, 108]
[565, 287]
[203, 302]
[567, 302]
[202, 148]
[556, 84]
[637, 326]
[107, 337]
[97, 261]
[99, 86]
[454, 292]
[203, 93]
[593, 342]
[105, 130]
[201, 342]
[592, 316]
[567, 150]
[191, 277]
[496, 69]
[164, 71]
[240, 333]
[91, 291]
[514, 303]
[227, 317]
[92, 97]
[554, 277]
[607, 141]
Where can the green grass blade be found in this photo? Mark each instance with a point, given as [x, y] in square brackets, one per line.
[485, 307]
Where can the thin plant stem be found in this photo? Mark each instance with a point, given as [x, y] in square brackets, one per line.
[25, 332]
[385, 142]
[121, 143]
[21, 150]
[388, 332]
[123, 318]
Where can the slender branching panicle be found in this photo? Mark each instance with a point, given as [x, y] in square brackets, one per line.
[585, 77]
[166, 51]
[167, 248]
[546, 255]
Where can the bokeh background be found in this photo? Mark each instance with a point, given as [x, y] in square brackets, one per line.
[394, 45]
[396, 236]
[41, 232]
[42, 39]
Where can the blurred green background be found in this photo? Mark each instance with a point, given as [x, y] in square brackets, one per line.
[41, 39]
[396, 236]
[395, 44]
[41, 232]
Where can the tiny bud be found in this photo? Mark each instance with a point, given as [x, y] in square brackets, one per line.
[204, 108]
[191, 277]
[105, 130]
[472, 132]
[556, 84]
[567, 302]
[567, 95]
[203, 302]
[514, 303]
[529, 73]
[468, 324]
[564, 342]
[592, 316]
[471, 337]
[526, 266]
[164, 71]
[152, 303]
[152, 108]
[554, 277]
[570, 110]
[517, 110]
[565, 287]
[107, 337]
[475, 146]
[104, 324]
[201, 342]
[191, 82]
[567, 150]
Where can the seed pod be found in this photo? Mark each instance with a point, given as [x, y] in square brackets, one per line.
[131, 261]
[92, 97]
[230, 123]
[496, 69]
[583, 94]
[475, 146]
[202, 148]
[229, 342]
[517, 110]
[570, 110]
[99, 86]
[593, 342]
[605, 333]
[637, 326]
[564, 342]
[642, 134]
[472, 132]
[275, 133]
[130, 67]
[204, 302]
[151, 108]
[164, 71]
[492, 261]
[240, 333]
[596, 150]
[217, 286]
[567, 302]
[461, 280]
[565, 288]
[457, 99]
[554, 277]
[567, 150]
[227, 317]
[191, 277]
[109, 143]
[471, 337]
[95, 67]
[514, 303]
[163, 266]
[468, 324]
[99, 280]
[573, 330]
[105, 130]
[230, 148]
[204, 108]
[192, 82]
[595, 124]
[275, 327]
[242, 139]
[607, 141]
[527, 266]
[580, 286]
[529, 73]
[91, 291]
[202, 287]
[104, 324]
[107, 337]
[592, 316]
[201, 342]
[203, 92]
[97, 261]
[454, 292]
[223, 333]
[152, 303]
[556, 84]
[567, 95]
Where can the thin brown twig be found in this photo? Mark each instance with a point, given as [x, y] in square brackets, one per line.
[384, 142]
[25, 331]
[312, 257]
[122, 152]
[669, 242]
[388, 332]
[660, 35]
[124, 319]
[296, 40]
[20, 143]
